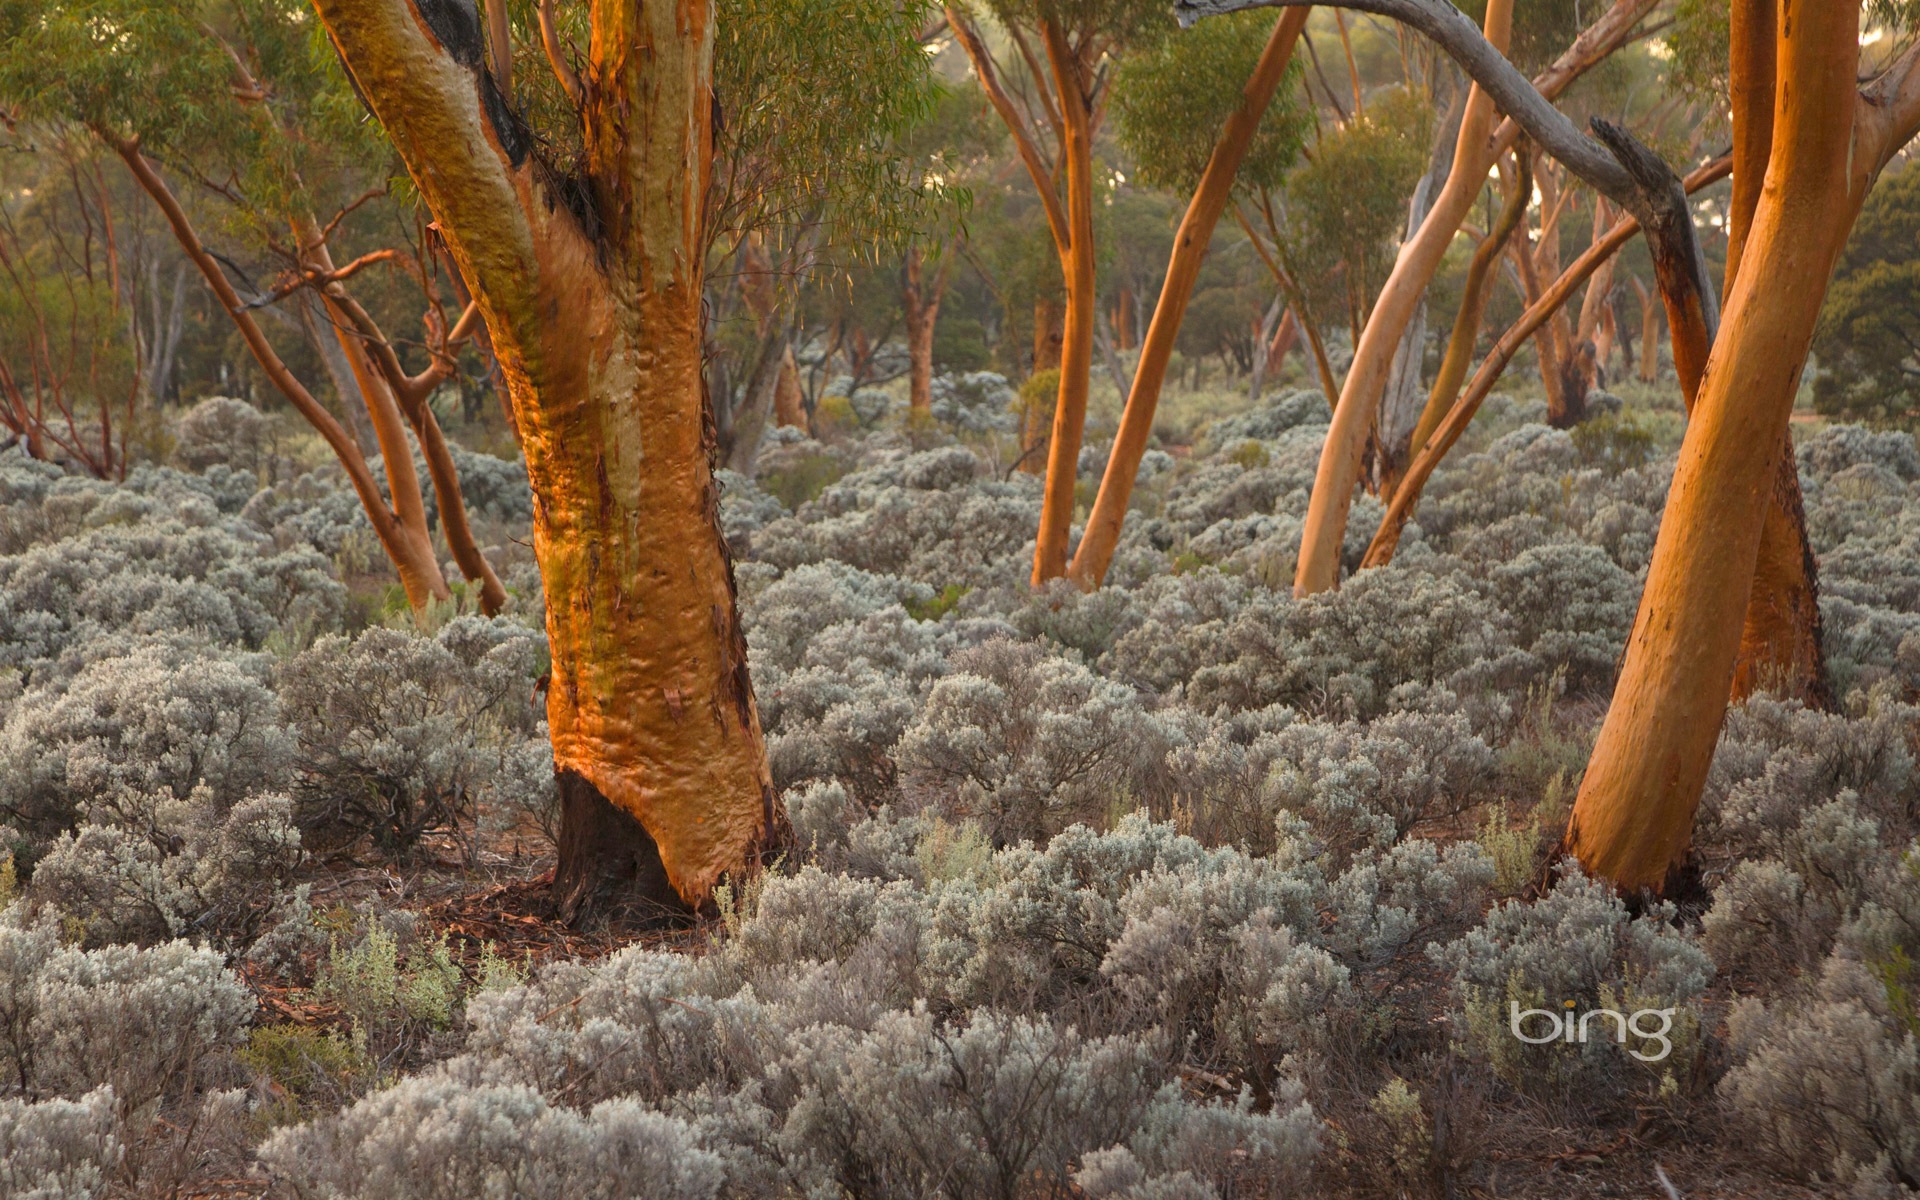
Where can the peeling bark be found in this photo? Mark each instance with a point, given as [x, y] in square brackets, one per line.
[595, 316]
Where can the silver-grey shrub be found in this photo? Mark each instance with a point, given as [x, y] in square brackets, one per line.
[396, 734]
[152, 723]
[1023, 742]
[58, 1149]
[1579, 944]
[436, 1137]
[149, 866]
[1828, 1089]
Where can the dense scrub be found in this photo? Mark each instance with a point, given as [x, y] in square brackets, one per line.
[1181, 888]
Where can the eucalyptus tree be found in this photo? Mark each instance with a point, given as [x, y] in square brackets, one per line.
[823, 106]
[1356, 417]
[1171, 98]
[1820, 136]
[1068, 78]
[235, 98]
[581, 205]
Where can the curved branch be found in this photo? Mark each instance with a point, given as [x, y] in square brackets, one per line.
[379, 515]
[1456, 34]
[556, 53]
[1613, 161]
[1387, 539]
[982, 60]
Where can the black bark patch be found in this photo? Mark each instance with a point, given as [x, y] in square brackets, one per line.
[455, 24]
[515, 137]
[569, 190]
[609, 871]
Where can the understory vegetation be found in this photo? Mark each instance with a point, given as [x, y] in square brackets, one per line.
[1179, 888]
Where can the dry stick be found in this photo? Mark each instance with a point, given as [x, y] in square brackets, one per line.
[1473, 305]
[1210, 199]
[411, 392]
[1387, 539]
[1353, 69]
[556, 53]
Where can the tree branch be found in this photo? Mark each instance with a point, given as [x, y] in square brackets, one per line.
[1387, 539]
[557, 53]
[1617, 165]
[982, 60]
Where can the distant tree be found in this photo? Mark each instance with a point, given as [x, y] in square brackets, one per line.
[953, 149]
[1868, 342]
[235, 97]
[817, 99]
[1068, 74]
[70, 374]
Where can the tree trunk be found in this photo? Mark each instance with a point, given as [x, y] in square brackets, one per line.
[1474, 295]
[412, 557]
[1266, 338]
[1387, 538]
[1048, 333]
[1780, 646]
[1400, 401]
[789, 401]
[1076, 348]
[1318, 569]
[1649, 334]
[1633, 819]
[596, 320]
[921, 298]
[1190, 244]
[1286, 340]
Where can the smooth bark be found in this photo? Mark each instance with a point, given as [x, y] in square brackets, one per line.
[1190, 244]
[1780, 641]
[1632, 821]
[1387, 538]
[594, 307]
[1474, 294]
[406, 547]
[1356, 416]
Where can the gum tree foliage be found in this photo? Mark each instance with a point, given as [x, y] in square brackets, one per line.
[1347, 206]
[1868, 343]
[1171, 98]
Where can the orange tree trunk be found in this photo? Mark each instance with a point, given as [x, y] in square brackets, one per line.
[1780, 640]
[1190, 244]
[1076, 343]
[1447, 432]
[1474, 295]
[921, 297]
[1354, 417]
[1633, 819]
[593, 304]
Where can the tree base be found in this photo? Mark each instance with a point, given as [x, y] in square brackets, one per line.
[1684, 885]
[609, 870]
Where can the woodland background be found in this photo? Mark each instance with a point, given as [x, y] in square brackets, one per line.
[1176, 887]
